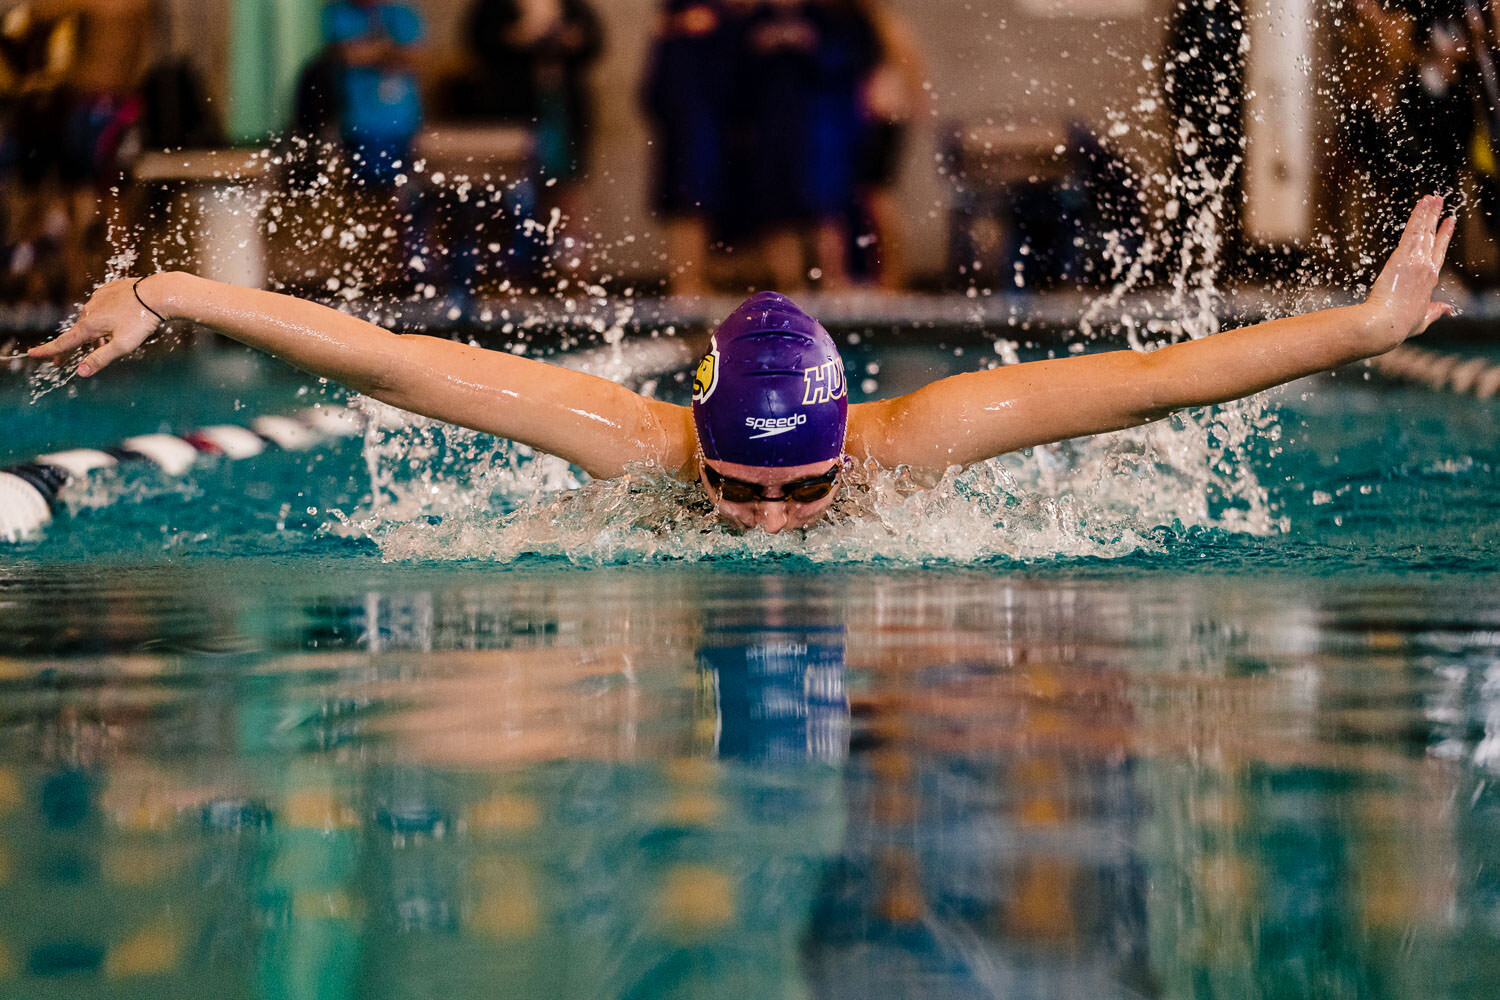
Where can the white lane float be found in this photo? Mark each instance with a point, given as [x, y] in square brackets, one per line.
[1440, 370]
[229, 441]
[29, 490]
[1487, 384]
[78, 462]
[1464, 376]
[172, 454]
[286, 433]
[23, 507]
[333, 421]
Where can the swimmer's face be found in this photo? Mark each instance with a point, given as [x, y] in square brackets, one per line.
[778, 509]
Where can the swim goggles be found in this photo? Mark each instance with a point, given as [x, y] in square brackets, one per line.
[808, 490]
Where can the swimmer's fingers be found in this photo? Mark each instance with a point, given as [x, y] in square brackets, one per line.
[1444, 237]
[1402, 293]
[107, 353]
[1418, 253]
[112, 315]
[1435, 312]
[82, 333]
[126, 334]
[1416, 240]
[75, 336]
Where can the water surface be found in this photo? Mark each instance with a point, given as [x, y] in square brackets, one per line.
[1209, 711]
[325, 779]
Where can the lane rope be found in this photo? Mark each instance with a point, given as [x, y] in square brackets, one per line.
[29, 491]
[1467, 375]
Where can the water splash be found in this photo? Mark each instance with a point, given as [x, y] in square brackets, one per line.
[438, 492]
[124, 240]
[441, 493]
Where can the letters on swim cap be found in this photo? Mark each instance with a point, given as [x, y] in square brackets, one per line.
[771, 390]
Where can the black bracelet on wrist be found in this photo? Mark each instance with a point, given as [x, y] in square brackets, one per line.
[136, 288]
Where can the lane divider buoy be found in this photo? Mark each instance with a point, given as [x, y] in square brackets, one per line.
[29, 491]
[1440, 370]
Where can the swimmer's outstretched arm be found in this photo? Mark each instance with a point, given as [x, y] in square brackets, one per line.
[975, 416]
[590, 421]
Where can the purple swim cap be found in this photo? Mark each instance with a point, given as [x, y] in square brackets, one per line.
[770, 391]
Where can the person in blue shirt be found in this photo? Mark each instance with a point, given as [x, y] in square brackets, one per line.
[380, 107]
[798, 70]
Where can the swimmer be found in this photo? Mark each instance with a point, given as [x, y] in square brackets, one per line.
[770, 429]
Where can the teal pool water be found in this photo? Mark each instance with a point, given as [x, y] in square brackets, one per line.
[249, 748]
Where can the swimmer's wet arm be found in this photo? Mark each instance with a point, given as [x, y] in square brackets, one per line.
[592, 422]
[975, 416]
[596, 424]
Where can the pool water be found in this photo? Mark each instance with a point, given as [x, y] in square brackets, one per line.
[1153, 732]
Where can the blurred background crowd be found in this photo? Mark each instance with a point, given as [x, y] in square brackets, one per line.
[700, 145]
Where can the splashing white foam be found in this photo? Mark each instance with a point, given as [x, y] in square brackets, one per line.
[442, 493]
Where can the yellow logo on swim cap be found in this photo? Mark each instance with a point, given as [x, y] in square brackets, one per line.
[706, 378]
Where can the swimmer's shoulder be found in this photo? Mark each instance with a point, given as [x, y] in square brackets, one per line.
[869, 429]
[673, 437]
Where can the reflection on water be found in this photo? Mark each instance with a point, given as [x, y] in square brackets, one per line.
[215, 781]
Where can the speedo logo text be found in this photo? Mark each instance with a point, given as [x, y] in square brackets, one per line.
[772, 426]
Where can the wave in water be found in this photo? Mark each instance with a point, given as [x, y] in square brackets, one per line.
[440, 493]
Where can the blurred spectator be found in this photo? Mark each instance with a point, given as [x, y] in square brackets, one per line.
[38, 52]
[797, 93]
[534, 59]
[367, 74]
[317, 101]
[1111, 208]
[1378, 49]
[1412, 119]
[1484, 43]
[686, 96]
[1082, 229]
[73, 131]
[849, 51]
[892, 94]
[374, 43]
[176, 113]
[1436, 120]
[1204, 90]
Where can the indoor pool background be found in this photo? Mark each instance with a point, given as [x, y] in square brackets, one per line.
[1154, 732]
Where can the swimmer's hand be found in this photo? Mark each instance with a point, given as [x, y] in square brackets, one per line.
[112, 318]
[1400, 304]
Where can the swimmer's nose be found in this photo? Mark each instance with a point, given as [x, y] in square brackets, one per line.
[770, 517]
